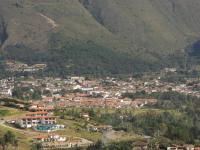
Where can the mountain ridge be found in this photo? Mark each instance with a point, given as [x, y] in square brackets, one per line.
[149, 31]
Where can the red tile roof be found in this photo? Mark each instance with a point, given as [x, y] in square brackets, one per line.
[38, 117]
[36, 113]
[40, 137]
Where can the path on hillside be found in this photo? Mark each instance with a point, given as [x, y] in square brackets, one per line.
[28, 133]
[49, 20]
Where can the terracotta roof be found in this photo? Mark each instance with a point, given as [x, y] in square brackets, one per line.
[36, 113]
[40, 137]
[44, 108]
[38, 117]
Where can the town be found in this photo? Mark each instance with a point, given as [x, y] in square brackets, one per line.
[64, 112]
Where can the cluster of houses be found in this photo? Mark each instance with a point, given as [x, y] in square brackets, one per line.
[35, 106]
[14, 66]
[109, 88]
[106, 103]
[183, 147]
[89, 102]
[80, 92]
[145, 146]
[55, 141]
[6, 86]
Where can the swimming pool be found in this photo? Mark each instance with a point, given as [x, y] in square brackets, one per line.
[48, 128]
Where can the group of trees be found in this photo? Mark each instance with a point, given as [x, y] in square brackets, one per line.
[26, 93]
[8, 139]
[122, 145]
[72, 56]
[176, 117]
[99, 145]
[183, 127]
[166, 123]
[168, 100]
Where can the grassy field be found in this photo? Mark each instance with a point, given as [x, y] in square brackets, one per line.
[8, 112]
[75, 128]
[24, 141]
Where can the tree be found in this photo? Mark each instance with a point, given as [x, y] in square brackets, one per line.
[3, 143]
[37, 146]
[8, 139]
[92, 112]
[97, 146]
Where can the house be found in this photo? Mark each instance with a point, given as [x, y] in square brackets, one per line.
[95, 94]
[32, 121]
[40, 66]
[55, 145]
[47, 109]
[5, 91]
[170, 70]
[78, 79]
[174, 148]
[29, 69]
[34, 118]
[188, 147]
[74, 142]
[77, 87]
[142, 102]
[87, 89]
[69, 143]
[21, 106]
[100, 128]
[182, 147]
[85, 116]
[140, 145]
[38, 113]
[38, 107]
[50, 138]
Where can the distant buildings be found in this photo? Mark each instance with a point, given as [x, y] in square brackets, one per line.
[40, 107]
[6, 92]
[170, 69]
[99, 128]
[182, 147]
[6, 87]
[14, 66]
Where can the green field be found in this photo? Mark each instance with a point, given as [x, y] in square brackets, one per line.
[7, 111]
[24, 141]
[74, 128]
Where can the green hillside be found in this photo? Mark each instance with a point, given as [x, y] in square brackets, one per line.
[154, 25]
[98, 36]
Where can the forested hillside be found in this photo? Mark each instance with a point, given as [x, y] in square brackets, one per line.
[99, 36]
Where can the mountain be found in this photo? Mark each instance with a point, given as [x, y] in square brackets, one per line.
[99, 36]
